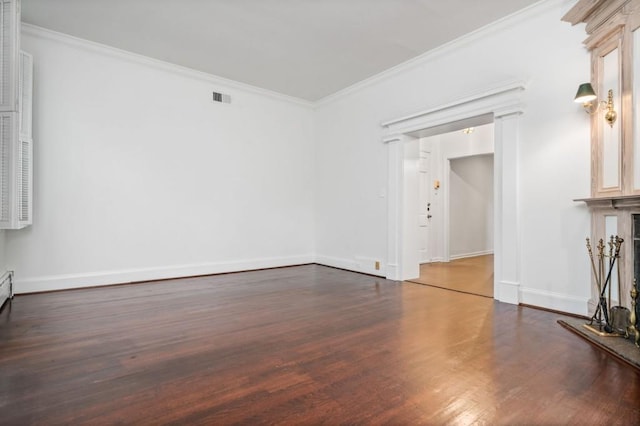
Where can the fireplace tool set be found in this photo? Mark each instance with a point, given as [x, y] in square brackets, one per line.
[610, 320]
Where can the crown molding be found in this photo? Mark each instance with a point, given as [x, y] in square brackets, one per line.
[501, 24]
[43, 33]
[505, 22]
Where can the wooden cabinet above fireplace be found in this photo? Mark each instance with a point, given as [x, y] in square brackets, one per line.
[613, 28]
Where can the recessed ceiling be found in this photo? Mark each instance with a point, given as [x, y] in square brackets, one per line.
[307, 49]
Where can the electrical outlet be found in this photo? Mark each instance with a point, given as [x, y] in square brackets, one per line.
[377, 265]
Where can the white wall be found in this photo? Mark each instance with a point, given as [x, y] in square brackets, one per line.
[534, 46]
[444, 148]
[471, 206]
[139, 175]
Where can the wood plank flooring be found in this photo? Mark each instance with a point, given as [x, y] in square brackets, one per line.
[469, 275]
[300, 345]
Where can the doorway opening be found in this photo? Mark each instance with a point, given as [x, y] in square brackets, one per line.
[501, 105]
[456, 206]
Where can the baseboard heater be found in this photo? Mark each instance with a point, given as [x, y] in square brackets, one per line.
[6, 287]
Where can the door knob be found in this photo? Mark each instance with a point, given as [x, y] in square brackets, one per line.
[428, 216]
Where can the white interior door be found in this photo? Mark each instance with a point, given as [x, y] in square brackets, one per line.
[425, 208]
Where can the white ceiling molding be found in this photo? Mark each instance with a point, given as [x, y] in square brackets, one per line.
[307, 49]
[425, 58]
[43, 33]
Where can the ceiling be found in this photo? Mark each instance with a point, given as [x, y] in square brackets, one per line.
[307, 49]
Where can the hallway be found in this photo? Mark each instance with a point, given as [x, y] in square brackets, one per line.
[473, 275]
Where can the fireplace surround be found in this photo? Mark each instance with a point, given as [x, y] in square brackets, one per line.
[613, 39]
[617, 216]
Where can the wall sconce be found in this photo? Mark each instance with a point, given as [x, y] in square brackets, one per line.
[586, 95]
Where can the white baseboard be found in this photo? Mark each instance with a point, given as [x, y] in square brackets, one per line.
[93, 279]
[556, 301]
[507, 292]
[393, 272]
[437, 259]
[360, 264]
[473, 254]
[6, 290]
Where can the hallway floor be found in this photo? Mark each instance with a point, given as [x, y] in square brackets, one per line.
[472, 275]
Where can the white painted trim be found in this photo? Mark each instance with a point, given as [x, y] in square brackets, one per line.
[446, 210]
[6, 286]
[506, 215]
[43, 33]
[468, 255]
[63, 282]
[501, 100]
[394, 207]
[349, 265]
[469, 100]
[392, 270]
[557, 301]
[427, 57]
[505, 104]
[507, 291]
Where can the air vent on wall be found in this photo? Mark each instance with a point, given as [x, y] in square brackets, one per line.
[221, 97]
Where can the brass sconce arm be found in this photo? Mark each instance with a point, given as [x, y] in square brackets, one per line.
[587, 96]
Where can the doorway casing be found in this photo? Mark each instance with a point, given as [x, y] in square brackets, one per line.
[502, 105]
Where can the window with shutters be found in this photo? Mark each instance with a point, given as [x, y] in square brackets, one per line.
[16, 145]
[5, 158]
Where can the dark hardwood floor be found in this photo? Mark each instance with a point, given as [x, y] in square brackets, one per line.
[299, 345]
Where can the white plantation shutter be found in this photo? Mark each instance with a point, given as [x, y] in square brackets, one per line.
[16, 145]
[6, 40]
[8, 54]
[5, 61]
[16, 174]
[25, 95]
[5, 162]
[24, 183]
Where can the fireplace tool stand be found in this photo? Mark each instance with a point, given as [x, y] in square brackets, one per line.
[600, 322]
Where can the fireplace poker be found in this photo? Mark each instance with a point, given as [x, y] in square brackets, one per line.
[596, 275]
[602, 307]
[612, 260]
[593, 264]
[598, 315]
[600, 263]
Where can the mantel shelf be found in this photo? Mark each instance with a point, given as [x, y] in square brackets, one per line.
[615, 202]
